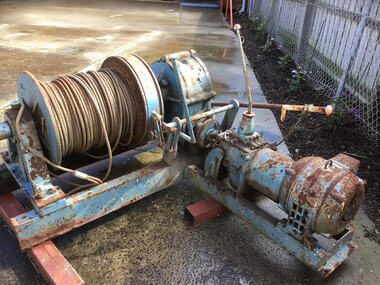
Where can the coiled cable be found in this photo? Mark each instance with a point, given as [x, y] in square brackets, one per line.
[90, 110]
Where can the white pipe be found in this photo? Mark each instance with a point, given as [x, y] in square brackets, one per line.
[242, 8]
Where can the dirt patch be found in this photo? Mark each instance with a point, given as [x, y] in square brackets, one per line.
[313, 136]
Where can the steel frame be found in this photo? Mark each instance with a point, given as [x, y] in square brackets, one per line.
[317, 258]
[86, 206]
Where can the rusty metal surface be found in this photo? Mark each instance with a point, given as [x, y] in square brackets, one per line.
[324, 261]
[46, 257]
[30, 172]
[315, 109]
[331, 194]
[144, 89]
[346, 161]
[86, 206]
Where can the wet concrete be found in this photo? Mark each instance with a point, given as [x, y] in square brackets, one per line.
[151, 241]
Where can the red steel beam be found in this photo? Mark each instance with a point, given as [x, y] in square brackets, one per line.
[46, 256]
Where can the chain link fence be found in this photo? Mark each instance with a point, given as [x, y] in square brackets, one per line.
[336, 43]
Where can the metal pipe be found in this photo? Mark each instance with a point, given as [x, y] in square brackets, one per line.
[250, 98]
[242, 7]
[5, 131]
[314, 109]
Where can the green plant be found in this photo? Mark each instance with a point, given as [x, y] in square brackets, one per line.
[341, 109]
[296, 79]
[268, 46]
[261, 28]
[255, 21]
[259, 25]
[283, 62]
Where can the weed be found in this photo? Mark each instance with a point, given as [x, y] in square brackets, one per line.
[283, 62]
[335, 120]
[268, 46]
[296, 79]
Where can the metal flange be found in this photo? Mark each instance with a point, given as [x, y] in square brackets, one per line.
[144, 88]
[137, 75]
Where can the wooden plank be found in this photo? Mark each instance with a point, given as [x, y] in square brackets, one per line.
[46, 257]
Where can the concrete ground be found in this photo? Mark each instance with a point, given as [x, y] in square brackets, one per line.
[151, 241]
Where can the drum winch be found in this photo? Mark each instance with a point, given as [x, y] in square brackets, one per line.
[116, 113]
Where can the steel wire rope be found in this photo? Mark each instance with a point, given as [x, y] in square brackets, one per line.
[90, 110]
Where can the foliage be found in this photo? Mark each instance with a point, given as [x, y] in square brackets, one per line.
[336, 119]
[283, 62]
[259, 25]
[296, 79]
[261, 28]
[268, 46]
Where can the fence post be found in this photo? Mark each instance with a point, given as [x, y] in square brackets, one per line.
[257, 6]
[306, 30]
[250, 6]
[355, 45]
[278, 17]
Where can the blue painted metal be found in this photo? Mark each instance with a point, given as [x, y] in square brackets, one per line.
[5, 131]
[246, 130]
[91, 204]
[33, 96]
[195, 80]
[267, 172]
[204, 5]
[213, 161]
[230, 116]
[310, 253]
[184, 104]
[29, 171]
[317, 196]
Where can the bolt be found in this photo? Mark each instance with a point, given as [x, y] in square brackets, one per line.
[39, 195]
[164, 83]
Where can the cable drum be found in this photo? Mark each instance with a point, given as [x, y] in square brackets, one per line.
[85, 111]
[84, 103]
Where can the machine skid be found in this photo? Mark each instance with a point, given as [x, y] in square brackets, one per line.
[84, 207]
[317, 258]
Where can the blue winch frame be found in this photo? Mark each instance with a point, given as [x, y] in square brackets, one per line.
[54, 213]
[73, 211]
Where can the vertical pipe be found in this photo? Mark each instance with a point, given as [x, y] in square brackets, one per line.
[231, 18]
[242, 7]
[250, 98]
[226, 13]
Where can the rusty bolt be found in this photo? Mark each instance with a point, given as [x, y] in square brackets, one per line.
[39, 195]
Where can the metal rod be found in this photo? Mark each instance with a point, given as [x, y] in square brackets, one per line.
[197, 117]
[250, 98]
[313, 109]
